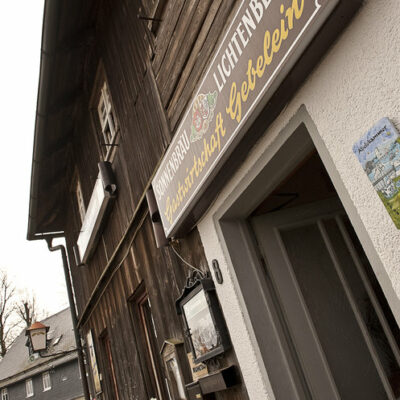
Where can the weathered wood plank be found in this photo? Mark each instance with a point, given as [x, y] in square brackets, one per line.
[181, 42]
[188, 67]
[170, 18]
[203, 57]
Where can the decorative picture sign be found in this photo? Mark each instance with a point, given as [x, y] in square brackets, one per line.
[204, 323]
[202, 330]
[379, 154]
[261, 45]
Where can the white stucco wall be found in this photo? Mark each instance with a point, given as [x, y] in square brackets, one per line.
[356, 85]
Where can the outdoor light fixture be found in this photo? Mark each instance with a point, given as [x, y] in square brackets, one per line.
[37, 340]
[37, 336]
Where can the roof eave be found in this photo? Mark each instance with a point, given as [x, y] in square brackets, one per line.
[49, 36]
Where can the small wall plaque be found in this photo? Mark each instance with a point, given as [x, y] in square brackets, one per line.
[378, 151]
[198, 370]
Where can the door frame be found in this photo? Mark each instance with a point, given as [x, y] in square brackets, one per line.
[268, 229]
[289, 148]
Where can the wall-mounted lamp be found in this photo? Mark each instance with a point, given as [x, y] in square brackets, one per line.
[37, 340]
[37, 336]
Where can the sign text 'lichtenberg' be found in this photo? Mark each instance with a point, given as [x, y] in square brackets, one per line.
[263, 42]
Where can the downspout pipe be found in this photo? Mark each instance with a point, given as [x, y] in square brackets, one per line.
[71, 301]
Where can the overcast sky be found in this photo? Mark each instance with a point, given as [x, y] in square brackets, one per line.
[29, 264]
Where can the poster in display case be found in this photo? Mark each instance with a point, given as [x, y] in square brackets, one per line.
[203, 320]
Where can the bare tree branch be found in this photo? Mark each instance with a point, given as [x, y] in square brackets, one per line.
[26, 309]
[7, 308]
[16, 312]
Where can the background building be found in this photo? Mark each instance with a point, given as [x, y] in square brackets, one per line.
[24, 375]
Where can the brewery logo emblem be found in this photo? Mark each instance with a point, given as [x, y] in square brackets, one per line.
[202, 114]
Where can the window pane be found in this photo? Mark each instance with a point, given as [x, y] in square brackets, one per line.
[4, 394]
[101, 111]
[80, 201]
[107, 136]
[46, 381]
[29, 388]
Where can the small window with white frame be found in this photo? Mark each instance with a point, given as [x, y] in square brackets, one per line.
[79, 199]
[107, 121]
[103, 116]
[4, 394]
[29, 388]
[46, 381]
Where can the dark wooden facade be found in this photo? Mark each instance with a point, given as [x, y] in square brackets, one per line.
[152, 69]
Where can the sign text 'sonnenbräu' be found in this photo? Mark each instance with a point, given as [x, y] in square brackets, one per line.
[261, 37]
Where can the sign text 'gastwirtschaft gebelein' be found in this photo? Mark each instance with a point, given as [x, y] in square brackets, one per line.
[264, 40]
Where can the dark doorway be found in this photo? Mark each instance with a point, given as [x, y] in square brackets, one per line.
[338, 337]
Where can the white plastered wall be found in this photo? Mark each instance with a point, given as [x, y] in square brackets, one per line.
[356, 84]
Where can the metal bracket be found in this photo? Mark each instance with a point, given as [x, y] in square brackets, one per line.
[148, 18]
[217, 271]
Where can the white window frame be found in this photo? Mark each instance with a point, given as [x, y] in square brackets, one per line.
[79, 200]
[46, 381]
[108, 124]
[29, 388]
[4, 394]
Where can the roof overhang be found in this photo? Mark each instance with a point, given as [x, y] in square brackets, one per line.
[66, 36]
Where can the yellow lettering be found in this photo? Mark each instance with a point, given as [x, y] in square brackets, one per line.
[234, 101]
[276, 43]
[298, 11]
[168, 210]
[213, 143]
[202, 158]
[191, 174]
[267, 45]
[195, 166]
[174, 205]
[219, 126]
[250, 77]
[206, 149]
[289, 16]
[271, 45]
[284, 31]
[244, 91]
[188, 184]
[199, 165]
[260, 66]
